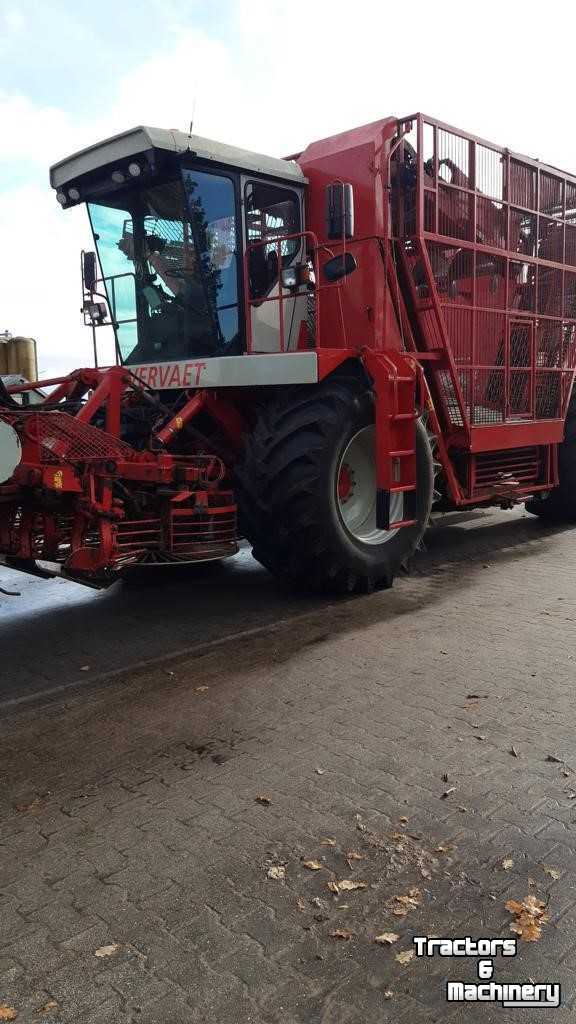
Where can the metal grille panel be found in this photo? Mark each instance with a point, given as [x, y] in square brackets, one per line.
[62, 437]
[488, 240]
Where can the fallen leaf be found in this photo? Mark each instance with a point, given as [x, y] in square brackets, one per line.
[513, 751]
[530, 916]
[84, 668]
[319, 771]
[463, 809]
[425, 873]
[386, 938]
[300, 903]
[346, 885]
[201, 689]
[312, 865]
[404, 904]
[351, 856]
[447, 792]
[387, 993]
[107, 950]
[551, 872]
[327, 842]
[403, 821]
[553, 759]
[277, 871]
[32, 806]
[507, 863]
[7, 1012]
[480, 737]
[265, 800]
[405, 957]
[50, 1005]
[341, 933]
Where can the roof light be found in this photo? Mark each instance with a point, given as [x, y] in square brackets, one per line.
[74, 194]
[61, 198]
[134, 170]
[118, 177]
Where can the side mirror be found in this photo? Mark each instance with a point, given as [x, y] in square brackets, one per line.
[339, 210]
[89, 271]
[339, 266]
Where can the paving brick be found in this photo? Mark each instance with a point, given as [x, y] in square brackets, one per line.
[159, 848]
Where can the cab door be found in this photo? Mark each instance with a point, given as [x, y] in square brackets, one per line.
[272, 211]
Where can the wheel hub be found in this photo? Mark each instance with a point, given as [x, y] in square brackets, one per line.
[356, 490]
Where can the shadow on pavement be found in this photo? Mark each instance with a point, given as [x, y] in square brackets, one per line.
[58, 630]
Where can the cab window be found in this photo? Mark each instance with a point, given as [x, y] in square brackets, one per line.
[271, 212]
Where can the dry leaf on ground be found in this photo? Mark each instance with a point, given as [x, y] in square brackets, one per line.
[327, 842]
[387, 993]
[107, 950]
[404, 904]
[529, 917]
[7, 1012]
[265, 800]
[312, 865]
[352, 856]
[32, 806]
[341, 933]
[507, 863]
[386, 938]
[551, 872]
[277, 871]
[345, 885]
[405, 957]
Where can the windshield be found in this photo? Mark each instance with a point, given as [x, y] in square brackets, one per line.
[168, 257]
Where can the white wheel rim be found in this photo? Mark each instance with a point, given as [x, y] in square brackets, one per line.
[356, 491]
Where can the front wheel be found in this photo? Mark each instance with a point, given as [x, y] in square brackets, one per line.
[307, 491]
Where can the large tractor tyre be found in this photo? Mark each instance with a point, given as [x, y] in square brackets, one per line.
[560, 505]
[307, 491]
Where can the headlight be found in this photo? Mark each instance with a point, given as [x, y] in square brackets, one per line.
[118, 177]
[61, 197]
[74, 194]
[134, 170]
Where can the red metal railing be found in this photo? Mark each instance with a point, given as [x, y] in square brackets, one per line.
[487, 240]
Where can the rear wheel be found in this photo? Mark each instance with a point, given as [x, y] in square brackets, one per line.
[307, 491]
[560, 504]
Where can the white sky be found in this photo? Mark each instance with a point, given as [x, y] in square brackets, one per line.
[271, 76]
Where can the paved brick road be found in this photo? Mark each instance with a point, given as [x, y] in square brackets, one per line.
[129, 813]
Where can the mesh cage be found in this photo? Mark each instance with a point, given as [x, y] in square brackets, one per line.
[488, 240]
[62, 438]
